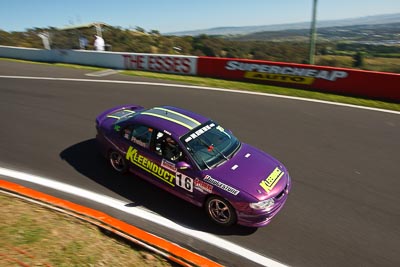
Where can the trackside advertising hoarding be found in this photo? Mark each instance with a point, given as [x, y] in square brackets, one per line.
[175, 64]
[368, 84]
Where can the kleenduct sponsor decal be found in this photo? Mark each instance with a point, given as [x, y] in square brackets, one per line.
[162, 172]
[149, 166]
[285, 74]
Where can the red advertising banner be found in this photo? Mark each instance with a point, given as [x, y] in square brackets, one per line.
[369, 84]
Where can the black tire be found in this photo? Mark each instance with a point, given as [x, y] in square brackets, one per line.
[117, 162]
[220, 211]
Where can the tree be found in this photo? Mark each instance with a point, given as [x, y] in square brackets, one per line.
[154, 32]
[358, 59]
[140, 29]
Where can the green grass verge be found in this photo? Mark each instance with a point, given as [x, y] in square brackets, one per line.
[209, 82]
[33, 235]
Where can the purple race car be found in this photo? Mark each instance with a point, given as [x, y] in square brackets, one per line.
[195, 159]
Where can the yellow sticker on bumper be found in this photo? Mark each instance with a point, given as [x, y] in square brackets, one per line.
[269, 183]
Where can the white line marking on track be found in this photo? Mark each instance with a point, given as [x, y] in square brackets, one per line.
[203, 88]
[138, 212]
[102, 73]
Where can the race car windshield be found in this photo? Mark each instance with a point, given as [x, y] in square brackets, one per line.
[210, 145]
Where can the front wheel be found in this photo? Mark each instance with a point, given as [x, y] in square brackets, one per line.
[220, 211]
[118, 162]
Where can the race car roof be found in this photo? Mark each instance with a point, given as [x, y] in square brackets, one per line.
[175, 120]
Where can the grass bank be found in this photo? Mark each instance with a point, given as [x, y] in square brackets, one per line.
[32, 235]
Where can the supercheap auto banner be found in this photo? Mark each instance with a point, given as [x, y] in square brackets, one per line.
[336, 80]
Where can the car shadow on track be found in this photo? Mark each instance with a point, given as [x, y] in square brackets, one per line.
[86, 159]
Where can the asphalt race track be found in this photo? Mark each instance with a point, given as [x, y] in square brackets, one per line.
[344, 162]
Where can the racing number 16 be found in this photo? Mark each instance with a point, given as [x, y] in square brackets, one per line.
[184, 181]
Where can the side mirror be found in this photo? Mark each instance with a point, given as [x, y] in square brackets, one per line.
[181, 165]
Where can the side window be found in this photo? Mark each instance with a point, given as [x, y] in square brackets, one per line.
[127, 132]
[167, 147]
[138, 134]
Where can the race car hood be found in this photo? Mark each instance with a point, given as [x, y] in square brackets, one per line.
[250, 171]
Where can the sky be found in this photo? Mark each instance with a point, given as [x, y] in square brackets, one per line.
[168, 16]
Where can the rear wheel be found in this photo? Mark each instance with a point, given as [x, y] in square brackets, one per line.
[220, 211]
[118, 162]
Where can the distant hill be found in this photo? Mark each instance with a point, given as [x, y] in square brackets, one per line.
[369, 20]
[377, 34]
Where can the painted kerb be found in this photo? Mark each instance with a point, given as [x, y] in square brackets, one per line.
[156, 244]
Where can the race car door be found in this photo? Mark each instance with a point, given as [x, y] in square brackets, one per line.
[173, 159]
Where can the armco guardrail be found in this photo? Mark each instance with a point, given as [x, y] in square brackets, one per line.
[377, 85]
[369, 84]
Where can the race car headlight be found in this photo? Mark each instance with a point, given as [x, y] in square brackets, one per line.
[262, 205]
